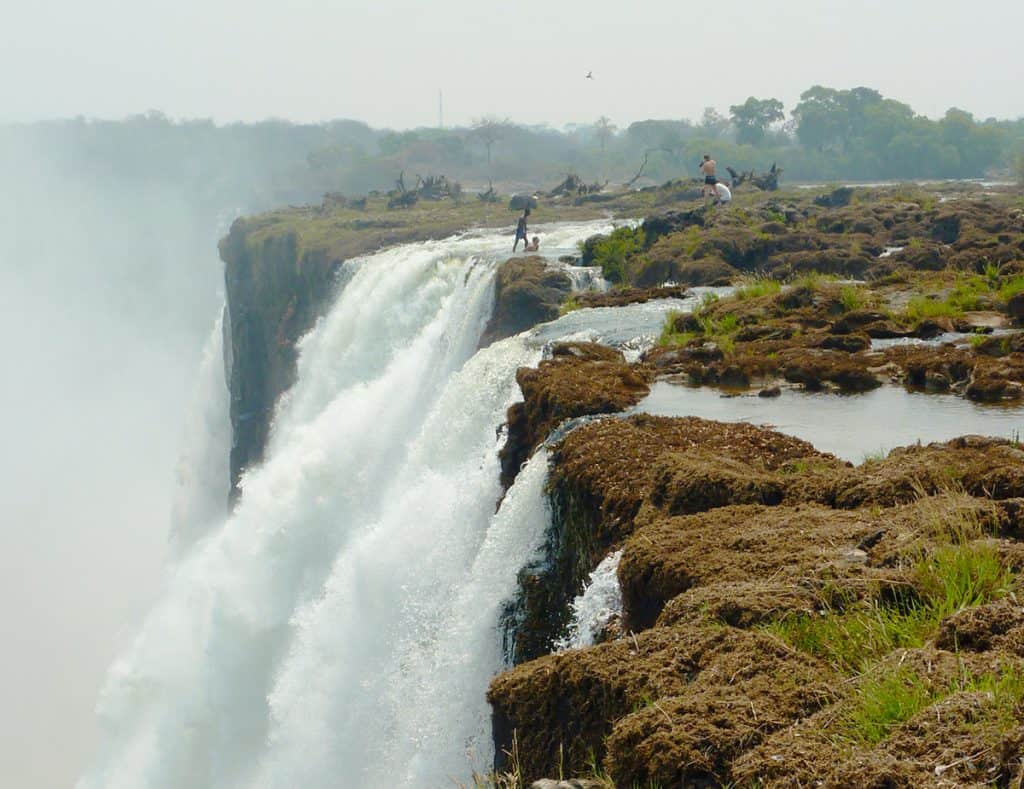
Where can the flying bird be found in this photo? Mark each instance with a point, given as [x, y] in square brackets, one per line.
[590, 75]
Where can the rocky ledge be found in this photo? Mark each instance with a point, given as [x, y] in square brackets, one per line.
[787, 618]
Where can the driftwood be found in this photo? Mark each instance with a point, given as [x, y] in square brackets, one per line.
[768, 182]
[643, 165]
[433, 187]
[490, 196]
[570, 186]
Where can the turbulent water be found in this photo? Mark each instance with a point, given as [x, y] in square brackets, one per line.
[340, 627]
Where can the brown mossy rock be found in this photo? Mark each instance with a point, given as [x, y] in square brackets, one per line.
[962, 740]
[691, 740]
[579, 379]
[742, 604]
[980, 466]
[812, 750]
[614, 461]
[928, 256]
[699, 480]
[668, 259]
[813, 368]
[526, 292]
[847, 343]
[732, 544]
[601, 474]
[638, 295]
[983, 628]
[908, 532]
[840, 262]
[562, 707]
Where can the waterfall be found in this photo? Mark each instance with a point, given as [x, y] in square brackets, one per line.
[339, 628]
[200, 501]
[596, 606]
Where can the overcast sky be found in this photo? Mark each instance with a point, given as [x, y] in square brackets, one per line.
[384, 61]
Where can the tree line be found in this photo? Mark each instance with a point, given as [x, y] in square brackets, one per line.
[830, 134]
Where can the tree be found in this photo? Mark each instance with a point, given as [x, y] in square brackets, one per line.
[713, 123]
[753, 117]
[489, 130]
[605, 130]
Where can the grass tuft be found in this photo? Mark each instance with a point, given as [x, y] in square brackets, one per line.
[752, 287]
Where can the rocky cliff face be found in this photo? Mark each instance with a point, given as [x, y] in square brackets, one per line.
[275, 293]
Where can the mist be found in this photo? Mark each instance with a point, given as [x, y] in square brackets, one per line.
[109, 287]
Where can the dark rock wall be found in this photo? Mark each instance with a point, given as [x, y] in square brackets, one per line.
[275, 294]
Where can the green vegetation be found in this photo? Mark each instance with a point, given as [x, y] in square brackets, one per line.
[833, 135]
[852, 297]
[957, 576]
[571, 304]
[752, 287]
[812, 280]
[613, 252]
[920, 308]
[882, 702]
[968, 292]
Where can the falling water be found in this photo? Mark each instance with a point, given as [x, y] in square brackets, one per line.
[340, 627]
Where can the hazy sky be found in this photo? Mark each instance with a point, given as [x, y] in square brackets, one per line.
[383, 61]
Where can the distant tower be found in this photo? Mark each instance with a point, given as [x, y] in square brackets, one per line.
[440, 109]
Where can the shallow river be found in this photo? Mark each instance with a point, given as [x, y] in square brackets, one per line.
[849, 426]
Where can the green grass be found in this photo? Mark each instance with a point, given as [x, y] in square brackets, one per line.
[883, 702]
[852, 298]
[954, 577]
[718, 330]
[571, 304]
[961, 576]
[921, 308]
[1011, 287]
[875, 457]
[752, 287]
[812, 280]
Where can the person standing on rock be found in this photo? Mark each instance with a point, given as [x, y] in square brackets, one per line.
[521, 231]
[707, 167]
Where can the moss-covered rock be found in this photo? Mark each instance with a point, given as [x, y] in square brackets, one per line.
[527, 291]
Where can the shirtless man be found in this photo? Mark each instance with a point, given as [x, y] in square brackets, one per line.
[708, 168]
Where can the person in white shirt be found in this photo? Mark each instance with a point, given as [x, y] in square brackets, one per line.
[722, 194]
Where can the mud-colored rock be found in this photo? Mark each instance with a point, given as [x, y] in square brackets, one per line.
[733, 544]
[526, 292]
[563, 707]
[578, 380]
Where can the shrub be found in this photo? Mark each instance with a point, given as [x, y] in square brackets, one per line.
[613, 252]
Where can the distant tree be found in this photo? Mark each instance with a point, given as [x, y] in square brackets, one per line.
[489, 130]
[605, 130]
[713, 123]
[753, 117]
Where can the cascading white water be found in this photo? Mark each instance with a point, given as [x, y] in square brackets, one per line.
[340, 628]
[203, 473]
[596, 606]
